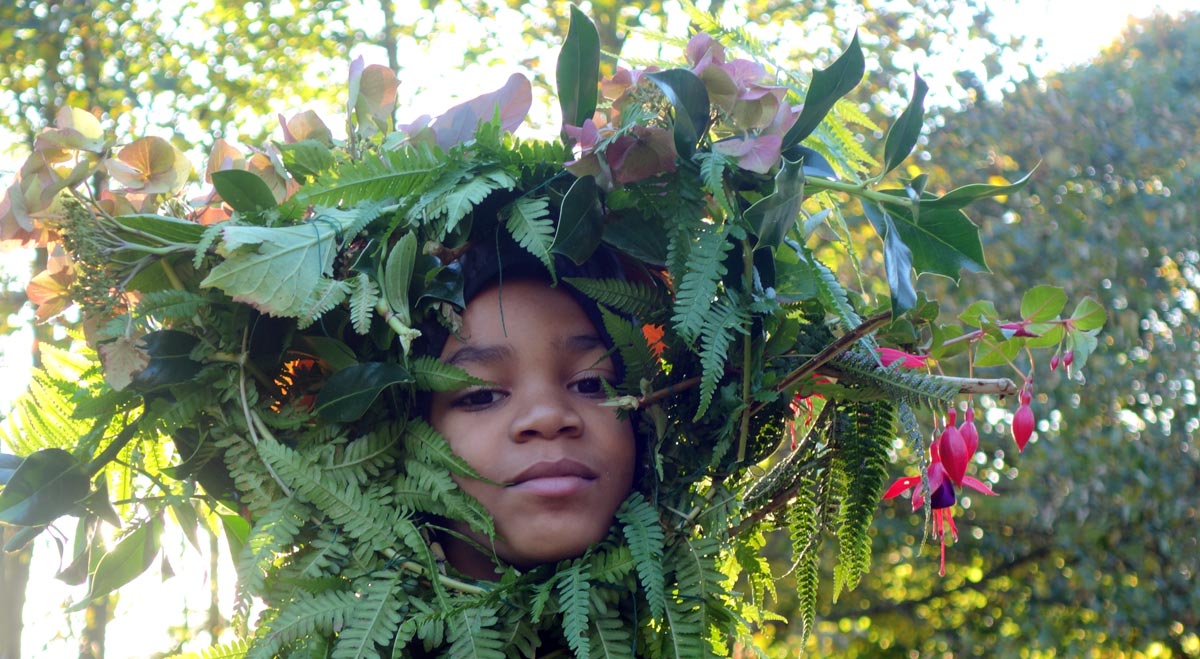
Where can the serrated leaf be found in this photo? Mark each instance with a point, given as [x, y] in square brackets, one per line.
[827, 87]
[1088, 315]
[897, 259]
[902, 135]
[943, 242]
[1042, 303]
[348, 394]
[244, 191]
[578, 72]
[967, 194]
[689, 97]
[773, 216]
[47, 485]
[580, 221]
[433, 375]
[530, 225]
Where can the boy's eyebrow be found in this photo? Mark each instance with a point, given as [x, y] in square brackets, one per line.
[584, 343]
[479, 355]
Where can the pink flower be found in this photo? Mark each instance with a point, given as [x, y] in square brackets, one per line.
[890, 356]
[754, 154]
[640, 154]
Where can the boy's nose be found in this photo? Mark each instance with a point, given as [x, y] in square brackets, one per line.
[546, 415]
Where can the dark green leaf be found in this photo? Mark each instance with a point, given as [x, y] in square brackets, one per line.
[580, 221]
[773, 216]
[578, 73]
[942, 241]
[132, 555]
[445, 285]
[815, 164]
[333, 352]
[47, 485]
[8, 465]
[967, 194]
[348, 393]
[690, 99]
[897, 259]
[244, 191]
[637, 237]
[305, 158]
[902, 136]
[826, 88]
[170, 360]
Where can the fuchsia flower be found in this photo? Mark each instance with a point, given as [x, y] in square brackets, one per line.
[890, 356]
[943, 497]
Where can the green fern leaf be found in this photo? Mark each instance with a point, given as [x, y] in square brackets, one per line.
[374, 620]
[712, 171]
[364, 458]
[324, 613]
[207, 239]
[610, 637]
[433, 375]
[232, 650]
[636, 357]
[362, 303]
[530, 225]
[170, 303]
[393, 175]
[638, 299]
[473, 635]
[643, 531]
[804, 531]
[862, 432]
[720, 326]
[703, 257]
[573, 605]
[273, 532]
[327, 294]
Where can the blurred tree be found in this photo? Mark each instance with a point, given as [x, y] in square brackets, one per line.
[1097, 543]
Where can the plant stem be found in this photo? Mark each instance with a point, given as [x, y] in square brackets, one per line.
[667, 391]
[747, 286]
[858, 190]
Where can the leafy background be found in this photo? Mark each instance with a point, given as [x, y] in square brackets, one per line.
[1093, 546]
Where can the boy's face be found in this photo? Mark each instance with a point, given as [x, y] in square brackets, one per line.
[563, 463]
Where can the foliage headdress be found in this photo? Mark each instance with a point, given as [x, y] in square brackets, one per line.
[257, 370]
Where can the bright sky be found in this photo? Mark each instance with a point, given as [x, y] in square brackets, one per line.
[1073, 31]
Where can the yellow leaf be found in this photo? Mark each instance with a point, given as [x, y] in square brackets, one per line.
[122, 360]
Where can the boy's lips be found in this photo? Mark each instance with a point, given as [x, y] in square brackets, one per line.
[554, 478]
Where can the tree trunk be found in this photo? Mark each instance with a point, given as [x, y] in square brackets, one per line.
[14, 576]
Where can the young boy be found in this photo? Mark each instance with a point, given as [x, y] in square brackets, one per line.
[558, 464]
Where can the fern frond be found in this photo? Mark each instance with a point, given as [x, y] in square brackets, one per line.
[609, 636]
[862, 432]
[364, 458]
[207, 239]
[273, 532]
[327, 294]
[636, 357]
[254, 483]
[170, 303]
[644, 533]
[362, 303]
[324, 612]
[374, 620]
[430, 374]
[473, 635]
[232, 650]
[702, 258]
[712, 171]
[390, 176]
[862, 368]
[804, 532]
[830, 292]
[724, 321]
[530, 225]
[573, 605]
[638, 299]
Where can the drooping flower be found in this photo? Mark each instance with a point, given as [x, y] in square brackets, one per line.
[953, 450]
[1023, 421]
[890, 356]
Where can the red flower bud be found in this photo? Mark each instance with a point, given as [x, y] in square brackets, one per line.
[970, 433]
[1022, 424]
[1068, 357]
[1054, 363]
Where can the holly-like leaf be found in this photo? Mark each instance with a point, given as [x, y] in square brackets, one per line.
[47, 485]
[897, 259]
[1042, 303]
[348, 393]
[689, 97]
[827, 87]
[773, 216]
[244, 191]
[578, 73]
[961, 197]
[943, 242]
[902, 136]
[580, 221]
[1088, 315]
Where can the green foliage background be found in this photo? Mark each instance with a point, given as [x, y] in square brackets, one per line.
[1095, 544]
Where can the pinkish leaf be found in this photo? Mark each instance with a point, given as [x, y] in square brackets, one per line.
[511, 102]
[150, 165]
[754, 154]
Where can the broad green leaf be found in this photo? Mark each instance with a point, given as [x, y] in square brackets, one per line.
[640, 237]
[578, 73]
[237, 530]
[277, 269]
[815, 164]
[348, 394]
[1088, 315]
[980, 313]
[1048, 335]
[1083, 344]
[244, 191]
[827, 87]
[993, 353]
[967, 194]
[689, 97]
[306, 158]
[168, 229]
[433, 375]
[397, 274]
[8, 465]
[943, 242]
[941, 335]
[897, 259]
[773, 216]
[170, 360]
[580, 221]
[333, 352]
[132, 555]
[47, 485]
[902, 136]
[1042, 303]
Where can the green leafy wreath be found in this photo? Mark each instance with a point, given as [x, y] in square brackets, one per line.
[254, 365]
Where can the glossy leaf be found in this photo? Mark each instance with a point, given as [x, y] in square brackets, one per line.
[1042, 303]
[828, 85]
[773, 216]
[48, 484]
[943, 242]
[967, 194]
[897, 259]
[244, 191]
[170, 360]
[578, 73]
[132, 555]
[815, 164]
[580, 221]
[348, 394]
[8, 465]
[902, 136]
[689, 97]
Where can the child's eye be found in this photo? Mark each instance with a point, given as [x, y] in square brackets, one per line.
[477, 399]
[592, 386]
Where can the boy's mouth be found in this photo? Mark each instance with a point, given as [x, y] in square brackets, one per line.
[554, 478]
